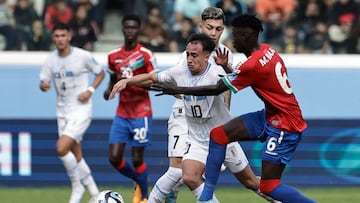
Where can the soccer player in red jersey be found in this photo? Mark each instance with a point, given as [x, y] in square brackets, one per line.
[133, 120]
[279, 125]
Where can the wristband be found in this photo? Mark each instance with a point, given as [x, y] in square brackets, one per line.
[91, 89]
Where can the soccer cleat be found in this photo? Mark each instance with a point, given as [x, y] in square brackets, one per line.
[171, 197]
[137, 194]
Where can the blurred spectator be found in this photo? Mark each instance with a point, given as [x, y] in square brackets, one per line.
[7, 26]
[231, 9]
[344, 7]
[307, 14]
[327, 6]
[126, 6]
[251, 5]
[141, 8]
[152, 33]
[58, 11]
[39, 38]
[290, 42]
[83, 32]
[24, 15]
[339, 34]
[318, 41]
[189, 9]
[275, 14]
[96, 12]
[178, 38]
[39, 7]
[353, 43]
[344, 14]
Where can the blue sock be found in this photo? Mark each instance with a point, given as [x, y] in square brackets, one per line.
[141, 179]
[128, 171]
[214, 161]
[287, 194]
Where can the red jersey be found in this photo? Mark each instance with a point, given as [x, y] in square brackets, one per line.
[134, 102]
[265, 72]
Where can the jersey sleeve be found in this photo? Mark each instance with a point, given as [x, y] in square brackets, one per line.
[92, 63]
[169, 74]
[150, 61]
[241, 78]
[152, 64]
[111, 68]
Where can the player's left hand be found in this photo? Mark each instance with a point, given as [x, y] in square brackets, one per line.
[120, 85]
[221, 57]
[165, 88]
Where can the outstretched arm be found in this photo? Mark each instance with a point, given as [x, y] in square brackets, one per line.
[172, 89]
[138, 80]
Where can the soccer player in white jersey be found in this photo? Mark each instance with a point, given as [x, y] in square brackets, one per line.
[68, 68]
[202, 113]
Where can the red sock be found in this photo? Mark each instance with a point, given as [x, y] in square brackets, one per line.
[219, 135]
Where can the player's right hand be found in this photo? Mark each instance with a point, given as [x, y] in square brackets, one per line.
[45, 86]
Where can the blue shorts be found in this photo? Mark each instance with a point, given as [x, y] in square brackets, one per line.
[279, 145]
[136, 132]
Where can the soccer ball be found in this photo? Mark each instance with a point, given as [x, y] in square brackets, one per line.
[109, 196]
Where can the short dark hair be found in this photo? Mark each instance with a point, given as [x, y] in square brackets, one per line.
[207, 43]
[61, 26]
[213, 13]
[131, 17]
[248, 20]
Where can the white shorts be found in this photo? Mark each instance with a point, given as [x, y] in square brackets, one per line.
[74, 127]
[178, 131]
[235, 158]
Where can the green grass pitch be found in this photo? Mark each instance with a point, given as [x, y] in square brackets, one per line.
[226, 195]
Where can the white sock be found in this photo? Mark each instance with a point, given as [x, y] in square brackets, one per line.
[86, 178]
[176, 187]
[165, 184]
[197, 192]
[72, 169]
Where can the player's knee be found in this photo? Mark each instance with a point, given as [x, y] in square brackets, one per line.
[219, 135]
[62, 150]
[191, 183]
[267, 186]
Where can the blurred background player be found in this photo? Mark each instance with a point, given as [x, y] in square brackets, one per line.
[68, 68]
[133, 121]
